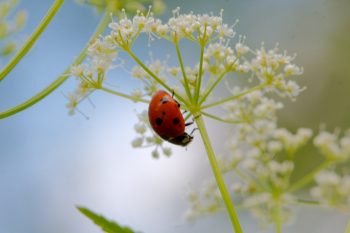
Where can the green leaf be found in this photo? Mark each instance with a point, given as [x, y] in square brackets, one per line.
[106, 225]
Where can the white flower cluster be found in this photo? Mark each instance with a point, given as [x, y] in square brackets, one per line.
[100, 56]
[273, 68]
[292, 142]
[252, 107]
[147, 138]
[208, 201]
[9, 26]
[220, 58]
[91, 74]
[199, 28]
[270, 208]
[333, 148]
[332, 190]
[257, 152]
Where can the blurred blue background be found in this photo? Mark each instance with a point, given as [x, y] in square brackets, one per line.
[50, 162]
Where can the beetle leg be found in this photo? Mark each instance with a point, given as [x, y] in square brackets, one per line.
[189, 123]
[193, 131]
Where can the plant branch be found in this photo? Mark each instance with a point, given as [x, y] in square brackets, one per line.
[31, 40]
[234, 97]
[129, 97]
[347, 230]
[218, 80]
[309, 177]
[62, 78]
[220, 119]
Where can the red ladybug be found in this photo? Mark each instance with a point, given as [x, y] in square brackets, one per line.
[166, 119]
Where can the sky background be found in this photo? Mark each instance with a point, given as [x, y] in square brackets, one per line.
[50, 162]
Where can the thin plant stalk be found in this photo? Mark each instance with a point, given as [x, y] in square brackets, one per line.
[218, 177]
[259, 87]
[200, 74]
[32, 39]
[186, 85]
[309, 177]
[129, 97]
[347, 230]
[62, 78]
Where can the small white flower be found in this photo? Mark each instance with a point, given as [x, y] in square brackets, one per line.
[167, 151]
[140, 128]
[137, 142]
[241, 49]
[78, 70]
[332, 189]
[291, 69]
[332, 147]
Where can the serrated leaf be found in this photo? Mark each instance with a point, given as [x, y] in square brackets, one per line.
[106, 225]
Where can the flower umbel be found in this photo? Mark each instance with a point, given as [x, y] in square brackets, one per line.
[261, 154]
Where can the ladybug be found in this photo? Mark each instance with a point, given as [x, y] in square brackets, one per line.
[166, 119]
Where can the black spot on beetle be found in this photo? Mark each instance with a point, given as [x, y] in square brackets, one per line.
[163, 113]
[159, 121]
[176, 121]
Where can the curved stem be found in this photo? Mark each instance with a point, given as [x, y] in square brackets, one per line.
[31, 40]
[309, 177]
[62, 78]
[129, 97]
[234, 97]
[218, 177]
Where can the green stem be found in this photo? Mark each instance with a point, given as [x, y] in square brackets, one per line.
[309, 177]
[307, 202]
[278, 226]
[218, 80]
[187, 87]
[200, 74]
[277, 214]
[219, 179]
[155, 77]
[347, 230]
[234, 97]
[113, 92]
[62, 78]
[31, 40]
[220, 119]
